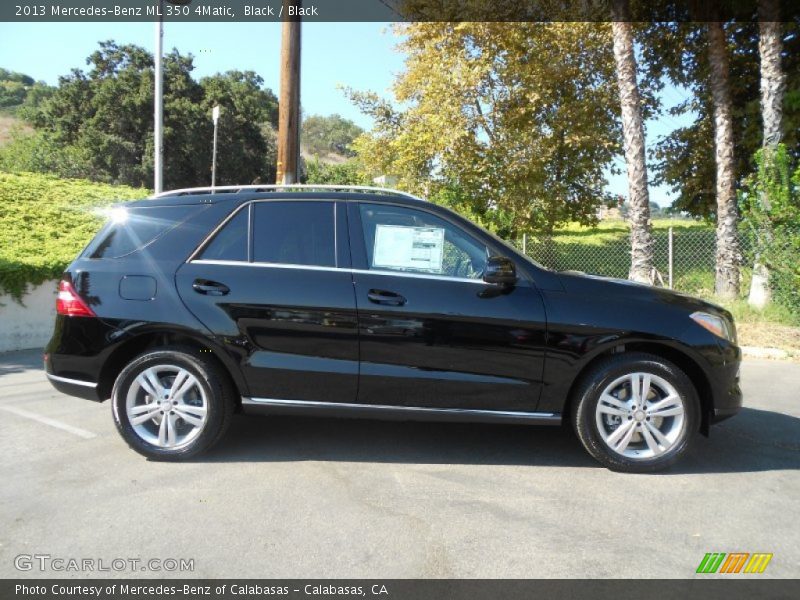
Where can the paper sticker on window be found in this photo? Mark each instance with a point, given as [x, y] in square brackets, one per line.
[418, 248]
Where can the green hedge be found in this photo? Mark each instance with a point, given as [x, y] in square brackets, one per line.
[45, 221]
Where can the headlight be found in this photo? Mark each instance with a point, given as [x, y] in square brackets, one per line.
[716, 325]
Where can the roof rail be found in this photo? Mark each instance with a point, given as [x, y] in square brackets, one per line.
[233, 189]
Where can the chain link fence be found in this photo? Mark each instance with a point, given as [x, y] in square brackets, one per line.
[684, 257]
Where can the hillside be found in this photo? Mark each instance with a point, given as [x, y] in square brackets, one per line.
[18, 90]
[8, 123]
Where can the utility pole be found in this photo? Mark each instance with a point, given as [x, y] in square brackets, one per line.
[158, 133]
[289, 102]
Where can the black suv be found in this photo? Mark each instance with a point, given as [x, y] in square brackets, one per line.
[367, 302]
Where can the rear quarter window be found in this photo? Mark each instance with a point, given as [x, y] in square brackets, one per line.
[141, 227]
[230, 242]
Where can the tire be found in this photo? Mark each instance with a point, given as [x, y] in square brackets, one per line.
[197, 411]
[636, 437]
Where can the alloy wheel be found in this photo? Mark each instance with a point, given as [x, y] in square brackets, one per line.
[640, 416]
[166, 406]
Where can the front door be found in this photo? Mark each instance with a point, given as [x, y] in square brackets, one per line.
[433, 334]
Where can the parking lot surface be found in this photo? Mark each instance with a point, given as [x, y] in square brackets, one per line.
[300, 497]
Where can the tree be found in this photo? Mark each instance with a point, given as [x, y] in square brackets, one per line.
[106, 115]
[655, 209]
[18, 89]
[6, 75]
[773, 87]
[633, 132]
[685, 159]
[776, 229]
[346, 173]
[727, 252]
[333, 134]
[512, 119]
[244, 154]
[773, 80]
[38, 153]
[12, 93]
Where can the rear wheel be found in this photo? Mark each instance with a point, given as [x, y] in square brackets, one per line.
[636, 412]
[171, 404]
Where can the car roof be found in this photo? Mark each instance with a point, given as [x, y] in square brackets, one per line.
[238, 195]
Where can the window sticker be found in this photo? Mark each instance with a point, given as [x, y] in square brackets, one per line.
[399, 247]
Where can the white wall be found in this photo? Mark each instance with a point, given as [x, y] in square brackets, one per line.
[29, 325]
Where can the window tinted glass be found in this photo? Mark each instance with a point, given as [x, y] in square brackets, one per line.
[138, 229]
[296, 233]
[230, 243]
[405, 239]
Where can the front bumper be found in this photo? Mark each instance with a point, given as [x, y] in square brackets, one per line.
[726, 389]
[720, 414]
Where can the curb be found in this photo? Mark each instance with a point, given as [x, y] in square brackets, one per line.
[760, 352]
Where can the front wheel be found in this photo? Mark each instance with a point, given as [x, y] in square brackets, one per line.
[170, 404]
[636, 412]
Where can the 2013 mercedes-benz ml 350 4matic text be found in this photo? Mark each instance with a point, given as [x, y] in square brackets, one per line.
[345, 301]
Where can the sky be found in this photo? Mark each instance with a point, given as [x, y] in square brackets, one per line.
[358, 55]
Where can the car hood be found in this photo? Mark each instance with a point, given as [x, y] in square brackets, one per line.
[595, 285]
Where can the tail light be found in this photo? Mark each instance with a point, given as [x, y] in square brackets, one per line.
[69, 303]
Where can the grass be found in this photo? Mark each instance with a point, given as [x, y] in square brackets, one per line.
[620, 226]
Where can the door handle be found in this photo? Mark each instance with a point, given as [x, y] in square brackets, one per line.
[210, 288]
[386, 298]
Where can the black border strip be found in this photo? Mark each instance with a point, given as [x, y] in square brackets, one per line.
[395, 10]
[733, 588]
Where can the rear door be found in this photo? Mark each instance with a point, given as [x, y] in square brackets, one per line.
[274, 283]
[433, 333]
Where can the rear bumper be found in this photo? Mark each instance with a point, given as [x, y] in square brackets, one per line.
[70, 382]
[74, 357]
[74, 387]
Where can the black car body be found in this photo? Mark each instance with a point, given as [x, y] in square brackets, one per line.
[308, 299]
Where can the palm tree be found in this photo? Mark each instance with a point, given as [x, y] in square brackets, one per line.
[773, 79]
[773, 87]
[633, 134]
[727, 260]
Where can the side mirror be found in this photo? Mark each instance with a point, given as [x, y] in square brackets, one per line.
[500, 270]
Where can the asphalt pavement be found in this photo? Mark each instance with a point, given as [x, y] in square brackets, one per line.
[290, 497]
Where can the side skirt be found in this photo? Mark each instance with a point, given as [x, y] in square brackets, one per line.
[394, 413]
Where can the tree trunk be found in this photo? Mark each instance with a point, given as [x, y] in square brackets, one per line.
[773, 87]
[633, 133]
[773, 80]
[727, 259]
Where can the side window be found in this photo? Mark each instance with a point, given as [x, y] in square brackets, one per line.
[295, 233]
[138, 229]
[230, 242]
[410, 240]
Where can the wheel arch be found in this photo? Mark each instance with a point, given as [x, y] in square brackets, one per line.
[123, 353]
[682, 360]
